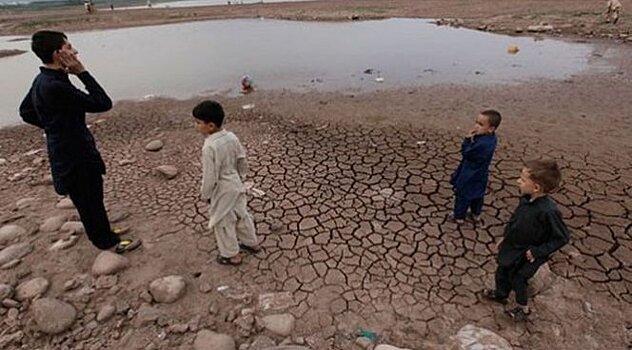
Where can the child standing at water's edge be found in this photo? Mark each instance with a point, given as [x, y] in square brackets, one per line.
[223, 167]
[535, 231]
[470, 178]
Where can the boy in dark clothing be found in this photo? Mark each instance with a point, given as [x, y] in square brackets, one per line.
[470, 178]
[58, 107]
[534, 232]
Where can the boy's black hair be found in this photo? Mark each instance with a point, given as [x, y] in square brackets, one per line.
[493, 116]
[545, 173]
[209, 112]
[45, 42]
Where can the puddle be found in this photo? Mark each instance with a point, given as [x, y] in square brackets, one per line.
[182, 60]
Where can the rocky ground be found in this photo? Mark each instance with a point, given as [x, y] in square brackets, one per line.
[350, 195]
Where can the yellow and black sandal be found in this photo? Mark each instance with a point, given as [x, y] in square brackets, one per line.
[120, 230]
[127, 245]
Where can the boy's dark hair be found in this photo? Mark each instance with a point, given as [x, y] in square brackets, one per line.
[209, 112]
[545, 173]
[45, 42]
[493, 116]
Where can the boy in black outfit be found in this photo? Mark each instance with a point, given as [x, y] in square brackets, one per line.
[54, 104]
[534, 232]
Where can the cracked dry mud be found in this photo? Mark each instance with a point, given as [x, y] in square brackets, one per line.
[352, 217]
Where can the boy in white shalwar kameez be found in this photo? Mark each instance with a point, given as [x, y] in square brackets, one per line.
[224, 166]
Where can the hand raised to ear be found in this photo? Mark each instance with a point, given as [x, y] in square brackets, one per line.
[71, 63]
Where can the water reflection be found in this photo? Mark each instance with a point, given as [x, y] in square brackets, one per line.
[181, 60]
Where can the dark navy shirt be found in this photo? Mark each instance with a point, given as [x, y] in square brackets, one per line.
[470, 178]
[535, 225]
[58, 107]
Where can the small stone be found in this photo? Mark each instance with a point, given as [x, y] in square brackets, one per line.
[15, 251]
[53, 224]
[146, 296]
[108, 263]
[65, 203]
[281, 324]
[71, 284]
[10, 303]
[6, 291]
[106, 282]
[245, 324]
[53, 316]
[9, 339]
[154, 146]
[11, 264]
[276, 301]
[179, 328]
[205, 287]
[262, 342]
[106, 313]
[64, 243]
[118, 215]
[364, 343]
[47, 180]
[213, 309]
[32, 289]
[167, 289]
[25, 202]
[208, 340]
[167, 171]
[391, 347]
[73, 227]
[10, 232]
[146, 315]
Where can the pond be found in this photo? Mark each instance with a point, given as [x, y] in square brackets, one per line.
[182, 60]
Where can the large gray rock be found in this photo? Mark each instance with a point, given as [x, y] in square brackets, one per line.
[31, 289]
[167, 171]
[108, 263]
[167, 289]
[471, 337]
[154, 146]
[53, 224]
[207, 340]
[10, 232]
[282, 324]
[52, 316]
[15, 251]
[542, 280]
[6, 291]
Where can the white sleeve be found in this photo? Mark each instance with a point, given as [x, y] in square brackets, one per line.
[209, 174]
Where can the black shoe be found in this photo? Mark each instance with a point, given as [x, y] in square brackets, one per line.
[490, 294]
[518, 314]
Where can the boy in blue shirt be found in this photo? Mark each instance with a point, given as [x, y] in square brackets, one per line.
[470, 178]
